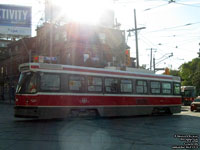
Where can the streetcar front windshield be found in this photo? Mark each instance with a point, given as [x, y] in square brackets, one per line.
[27, 83]
[189, 93]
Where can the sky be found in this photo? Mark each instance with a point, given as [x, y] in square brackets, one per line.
[169, 27]
[168, 30]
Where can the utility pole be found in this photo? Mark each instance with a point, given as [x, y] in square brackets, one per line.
[154, 64]
[151, 55]
[136, 37]
[151, 59]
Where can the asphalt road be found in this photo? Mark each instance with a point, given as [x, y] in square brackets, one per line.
[178, 131]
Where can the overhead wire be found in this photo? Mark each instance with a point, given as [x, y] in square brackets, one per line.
[155, 46]
[185, 41]
[155, 7]
[191, 5]
[178, 28]
[169, 28]
[159, 50]
[172, 1]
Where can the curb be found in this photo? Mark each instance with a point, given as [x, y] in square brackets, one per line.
[7, 102]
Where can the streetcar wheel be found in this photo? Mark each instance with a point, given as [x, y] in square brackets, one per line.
[155, 111]
[168, 111]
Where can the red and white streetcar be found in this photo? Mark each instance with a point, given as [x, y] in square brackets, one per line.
[57, 91]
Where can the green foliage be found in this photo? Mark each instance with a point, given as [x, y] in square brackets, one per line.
[174, 73]
[190, 74]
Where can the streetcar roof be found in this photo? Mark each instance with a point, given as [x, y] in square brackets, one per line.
[59, 68]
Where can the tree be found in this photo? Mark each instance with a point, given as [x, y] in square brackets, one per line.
[196, 81]
[190, 74]
[174, 72]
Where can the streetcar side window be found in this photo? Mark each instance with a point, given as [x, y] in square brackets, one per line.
[166, 88]
[49, 82]
[94, 84]
[177, 89]
[155, 87]
[76, 83]
[111, 85]
[126, 86]
[141, 87]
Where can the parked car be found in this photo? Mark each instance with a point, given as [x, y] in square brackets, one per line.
[195, 105]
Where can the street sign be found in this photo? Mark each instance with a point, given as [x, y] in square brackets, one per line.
[15, 20]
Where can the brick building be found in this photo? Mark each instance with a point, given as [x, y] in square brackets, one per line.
[73, 44]
[74, 40]
[15, 53]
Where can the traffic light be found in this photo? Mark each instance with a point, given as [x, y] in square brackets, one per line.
[127, 58]
[36, 59]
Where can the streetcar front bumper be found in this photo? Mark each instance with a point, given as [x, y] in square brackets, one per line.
[26, 112]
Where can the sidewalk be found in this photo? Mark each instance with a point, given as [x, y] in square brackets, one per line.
[10, 102]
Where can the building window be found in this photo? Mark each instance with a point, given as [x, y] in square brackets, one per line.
[57, 37]
[6, 70]
[95, 84]
[141, 87]
[102, 37]
[155, 87]
[111, 85]
[65, 36]
[166, 88]
[2, 70]
[16, 48]
[3, 45]
[126, 86]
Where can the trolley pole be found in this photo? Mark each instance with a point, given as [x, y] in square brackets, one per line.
[51, 32]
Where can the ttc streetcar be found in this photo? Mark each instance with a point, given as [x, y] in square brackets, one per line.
[188, 94]
[59, 91]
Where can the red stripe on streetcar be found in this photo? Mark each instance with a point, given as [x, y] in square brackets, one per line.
[74, 100]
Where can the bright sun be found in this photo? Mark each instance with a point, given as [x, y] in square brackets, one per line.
[85, 11]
